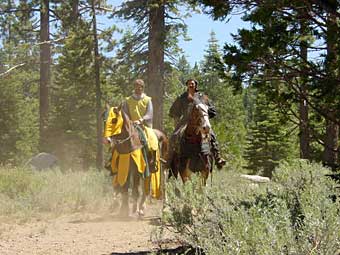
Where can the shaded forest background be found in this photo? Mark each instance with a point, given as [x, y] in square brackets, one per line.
[276, 87]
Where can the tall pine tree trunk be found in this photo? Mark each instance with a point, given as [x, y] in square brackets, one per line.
[303, 107]
[45, 63]
[75, 10]
[99, 156]
[156, 40]
[330, 154]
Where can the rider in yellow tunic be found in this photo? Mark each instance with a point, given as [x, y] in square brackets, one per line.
[139, 108]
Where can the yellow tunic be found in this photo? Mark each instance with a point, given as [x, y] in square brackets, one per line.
[137, 108]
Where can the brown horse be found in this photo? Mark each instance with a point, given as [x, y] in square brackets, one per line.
[128, 163]
[193, 153]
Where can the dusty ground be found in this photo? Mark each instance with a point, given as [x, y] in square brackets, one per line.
[84, 234]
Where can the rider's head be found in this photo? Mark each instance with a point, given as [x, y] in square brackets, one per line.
[139, 86]
[192, 84]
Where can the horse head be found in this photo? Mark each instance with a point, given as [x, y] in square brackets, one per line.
[199, 117]
[116, 121]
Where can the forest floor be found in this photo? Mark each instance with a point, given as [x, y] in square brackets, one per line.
[85, 233]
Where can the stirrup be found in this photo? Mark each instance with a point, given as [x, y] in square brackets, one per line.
[220, 163]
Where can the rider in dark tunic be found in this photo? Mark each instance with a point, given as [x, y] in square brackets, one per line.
[179, 112]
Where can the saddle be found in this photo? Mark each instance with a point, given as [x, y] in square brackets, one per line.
[149, 142]
[190, 147]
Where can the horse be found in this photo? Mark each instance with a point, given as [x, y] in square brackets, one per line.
[128, 164]
[193, 153]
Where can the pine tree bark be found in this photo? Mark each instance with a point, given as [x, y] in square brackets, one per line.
[303, 107]
[155, 74]
[75, 10]
[330, 154]
[45, 63]
[99, 156]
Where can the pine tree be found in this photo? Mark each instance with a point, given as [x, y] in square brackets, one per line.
[269, 139]
[229, 122]
[73, 97]
[19, 71]
[281, 35]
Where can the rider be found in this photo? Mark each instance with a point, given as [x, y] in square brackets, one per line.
[139, 108]
[179, 110]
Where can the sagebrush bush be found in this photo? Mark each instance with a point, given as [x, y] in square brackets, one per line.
[293, 214]
[24, 192]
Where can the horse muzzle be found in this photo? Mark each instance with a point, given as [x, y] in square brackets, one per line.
[206, 129]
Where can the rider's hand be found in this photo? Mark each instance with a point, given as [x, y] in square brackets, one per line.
[138, 122]
[106, 140]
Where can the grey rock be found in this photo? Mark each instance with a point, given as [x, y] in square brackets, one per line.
[42, 161]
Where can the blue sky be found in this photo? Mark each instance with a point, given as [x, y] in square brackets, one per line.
[199, 29]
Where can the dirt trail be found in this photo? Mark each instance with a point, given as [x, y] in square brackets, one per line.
[82, 234]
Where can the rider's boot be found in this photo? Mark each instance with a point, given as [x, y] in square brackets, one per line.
[219, 161]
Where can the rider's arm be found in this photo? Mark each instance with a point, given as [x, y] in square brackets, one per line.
[148, 116]
[125, 108]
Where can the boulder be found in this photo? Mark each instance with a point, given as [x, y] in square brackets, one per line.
[42, 161]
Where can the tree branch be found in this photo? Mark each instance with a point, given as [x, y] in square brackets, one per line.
[11, 69]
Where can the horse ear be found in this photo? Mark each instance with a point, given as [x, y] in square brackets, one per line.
[205, 99]
[119, 107]
[107, 106]
[115, 110]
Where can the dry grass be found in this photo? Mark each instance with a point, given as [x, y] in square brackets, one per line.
[25, 193]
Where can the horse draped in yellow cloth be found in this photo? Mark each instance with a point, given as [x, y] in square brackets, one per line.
[129, 165]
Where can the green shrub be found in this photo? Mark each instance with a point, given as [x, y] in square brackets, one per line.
[293, 214]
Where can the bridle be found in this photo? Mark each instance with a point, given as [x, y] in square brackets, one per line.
[203, 117]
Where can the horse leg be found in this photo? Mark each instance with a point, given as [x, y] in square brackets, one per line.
[205, 172]
[141, 205]
[186, 173]
[124, 207]
[204, 176]
[135, 186]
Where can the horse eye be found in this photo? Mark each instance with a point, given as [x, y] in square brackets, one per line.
[114, 121]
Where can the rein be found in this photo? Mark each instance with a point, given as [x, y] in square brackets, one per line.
[117, 141]
[121, 141]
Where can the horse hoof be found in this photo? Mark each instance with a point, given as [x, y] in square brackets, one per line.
[141, 213]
